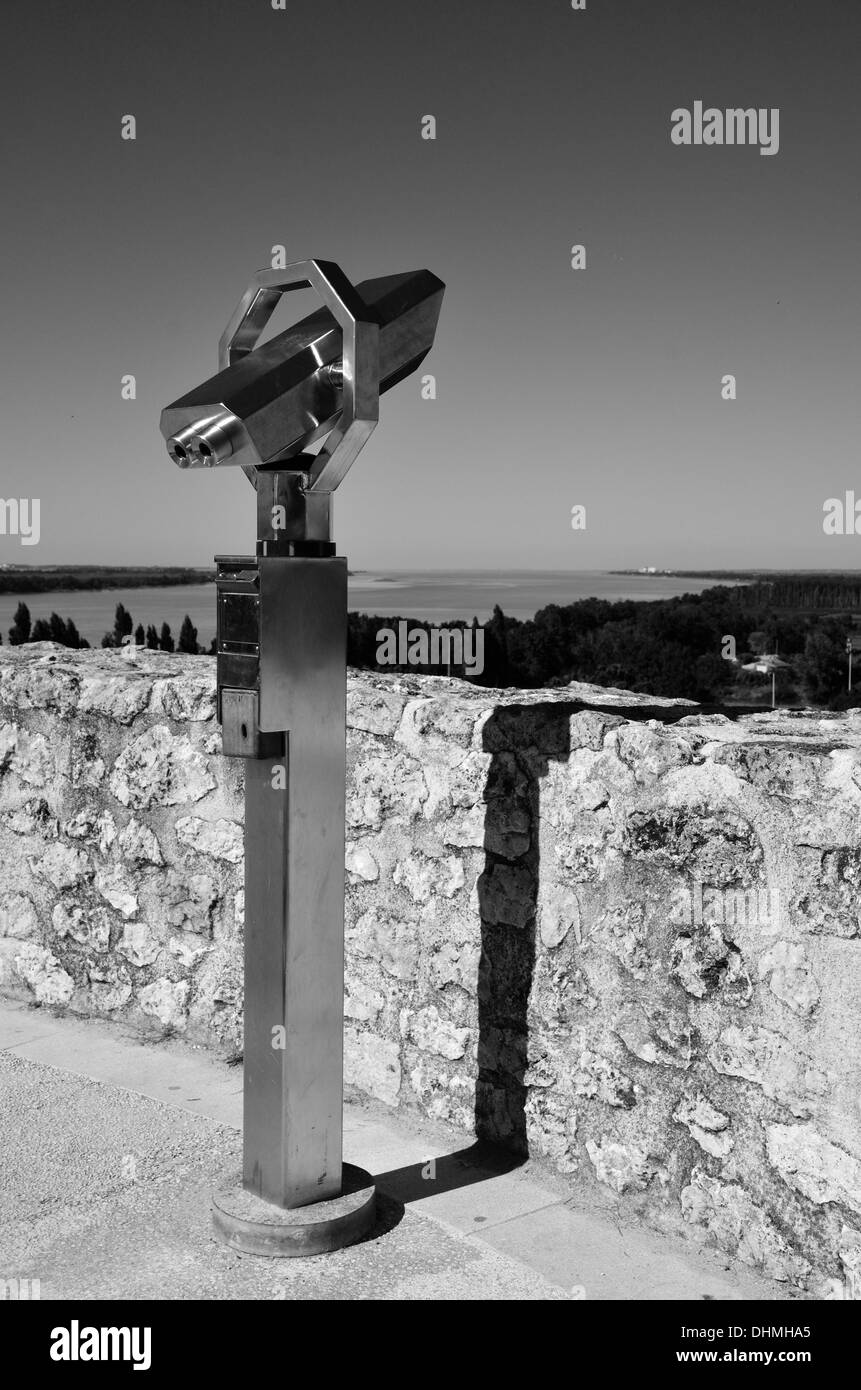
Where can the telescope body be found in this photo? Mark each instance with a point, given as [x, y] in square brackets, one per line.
[281, 397]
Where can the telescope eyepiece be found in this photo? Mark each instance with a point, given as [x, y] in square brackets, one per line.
[207, 443]
[179, 448]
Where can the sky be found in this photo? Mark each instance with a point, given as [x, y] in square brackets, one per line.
[599, 387]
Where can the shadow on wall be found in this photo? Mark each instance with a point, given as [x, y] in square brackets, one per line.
[508, 894]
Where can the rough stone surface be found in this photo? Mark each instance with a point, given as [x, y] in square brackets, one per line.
[18, 916]
[787, 969]
[813, 1166]
[734, 1221]
[50, 983]
[708, 1126]
[167, 1001]
[158, 767]
[603, 928]
[623, 1167]
[372, 1064]
[433, 1033]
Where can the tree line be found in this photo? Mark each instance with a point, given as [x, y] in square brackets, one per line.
[673, 647]
[16, 579]
[64, 631]
[819, 592]
[695, 645]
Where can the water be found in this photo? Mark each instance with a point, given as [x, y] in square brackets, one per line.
[435, 596]
[438, 596]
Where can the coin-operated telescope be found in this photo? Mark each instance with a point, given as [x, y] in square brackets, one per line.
[281, 679]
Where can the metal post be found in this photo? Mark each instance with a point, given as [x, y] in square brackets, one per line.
[294, 903]
[282, 639]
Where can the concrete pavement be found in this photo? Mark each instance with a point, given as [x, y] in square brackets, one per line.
[110, 1146]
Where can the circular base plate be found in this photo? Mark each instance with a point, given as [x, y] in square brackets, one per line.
[247, 1223]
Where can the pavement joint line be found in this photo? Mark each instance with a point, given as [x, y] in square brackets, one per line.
[507, 1220]
[24, 1042]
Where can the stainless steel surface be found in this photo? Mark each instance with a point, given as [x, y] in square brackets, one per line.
[237, 647]
[287, 512]
[240, 724]
[280, 398]
[299, 599]
[294, 889]
[360, 356]
[208, 442]
[255, 1227]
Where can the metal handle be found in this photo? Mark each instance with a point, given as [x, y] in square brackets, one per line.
[361, 356]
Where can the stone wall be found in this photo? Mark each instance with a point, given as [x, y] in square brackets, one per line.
[615, 932]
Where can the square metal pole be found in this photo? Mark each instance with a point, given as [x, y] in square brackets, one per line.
[294, 889]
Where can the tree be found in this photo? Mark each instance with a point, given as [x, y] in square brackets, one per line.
[58, 629]
[122, 624]
[188, 637]
[41, 631]
[63, 632]
[496, 662]
[152, 638]
[165, 641]
[20, 630]
[140, 635]
[825, 662]
[713, 677]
